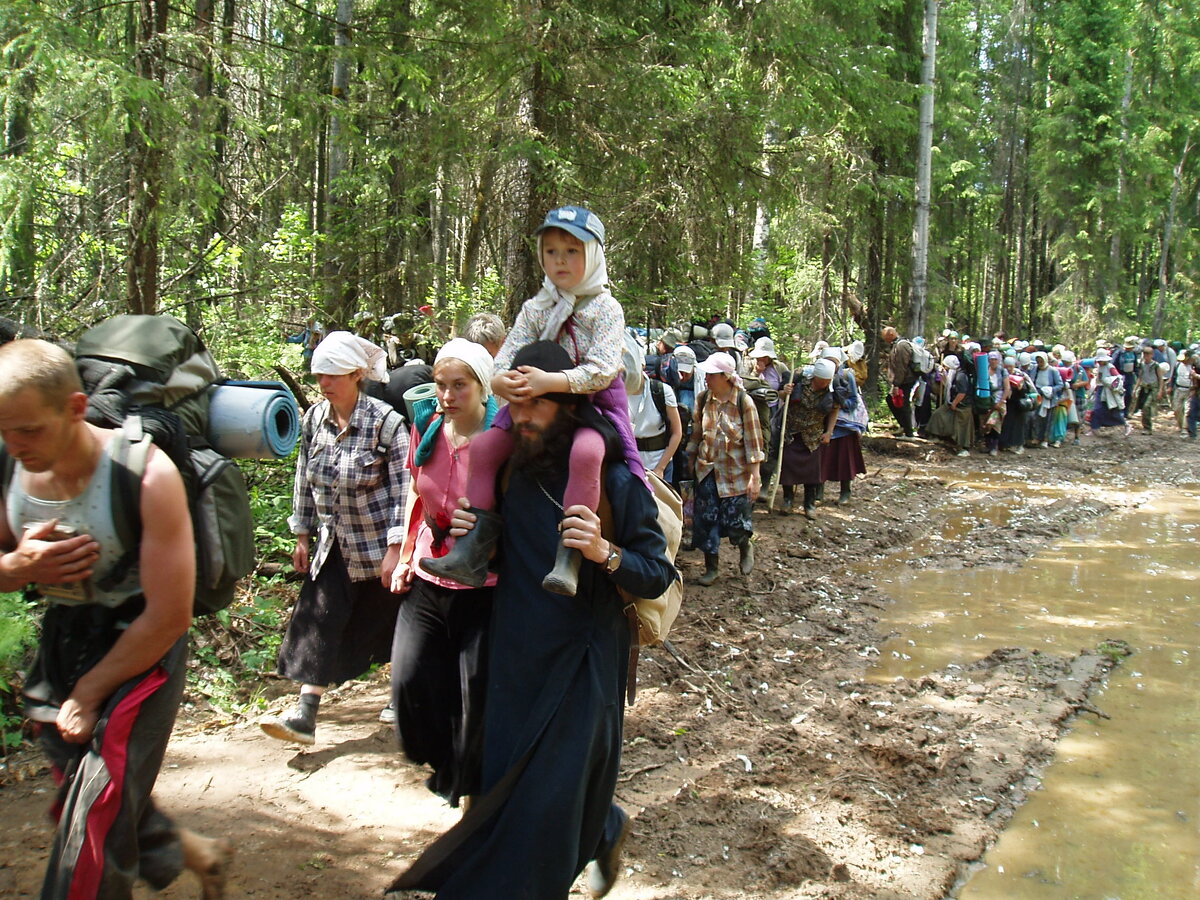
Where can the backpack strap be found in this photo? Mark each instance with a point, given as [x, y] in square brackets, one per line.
[130, 454]
[392, 423]
[659, 396]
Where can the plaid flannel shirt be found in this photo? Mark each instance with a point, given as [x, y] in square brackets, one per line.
[345, 489]
[720, 442]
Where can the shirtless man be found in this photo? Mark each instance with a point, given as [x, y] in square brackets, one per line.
[109, 672]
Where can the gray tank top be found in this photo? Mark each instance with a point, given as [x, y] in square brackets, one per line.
[90, 512]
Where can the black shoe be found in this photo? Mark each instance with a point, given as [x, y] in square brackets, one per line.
[467, 561]
[606, 868]
[299, 726]
[844, 496]
[564, 577]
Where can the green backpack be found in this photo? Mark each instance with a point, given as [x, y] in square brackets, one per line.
[152, 375]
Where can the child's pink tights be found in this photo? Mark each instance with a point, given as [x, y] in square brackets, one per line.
[491, 450]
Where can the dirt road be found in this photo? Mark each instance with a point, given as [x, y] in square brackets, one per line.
[759, 762]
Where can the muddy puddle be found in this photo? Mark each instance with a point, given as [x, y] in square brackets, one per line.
[1118, 813]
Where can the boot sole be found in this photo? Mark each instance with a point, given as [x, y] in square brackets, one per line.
[281, 732]
[557, 585]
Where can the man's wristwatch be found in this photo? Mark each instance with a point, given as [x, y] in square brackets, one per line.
[614, 559]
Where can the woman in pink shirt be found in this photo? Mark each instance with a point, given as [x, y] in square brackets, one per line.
[438, 650]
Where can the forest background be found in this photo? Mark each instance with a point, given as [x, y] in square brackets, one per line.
[249, 165]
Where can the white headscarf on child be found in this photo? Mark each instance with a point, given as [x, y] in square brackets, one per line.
[341, 353]
[562, 303]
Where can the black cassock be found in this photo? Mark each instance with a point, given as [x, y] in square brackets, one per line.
[555, 698]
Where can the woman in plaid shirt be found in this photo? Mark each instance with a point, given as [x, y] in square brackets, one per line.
[350, 491]
[725, 450]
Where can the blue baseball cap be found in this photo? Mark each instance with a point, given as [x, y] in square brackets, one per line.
[575, 220]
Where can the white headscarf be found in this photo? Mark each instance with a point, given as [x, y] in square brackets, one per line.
[824, 368]
[562, 303]
[856, 351]
[476, 357]
[341, 353]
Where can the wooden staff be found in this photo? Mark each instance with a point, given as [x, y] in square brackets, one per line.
[787, 401]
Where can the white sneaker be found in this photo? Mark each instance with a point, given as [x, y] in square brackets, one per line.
[1043, 445]
[1019, 451]
[963, 453]
[1056, 444]
[992, 452]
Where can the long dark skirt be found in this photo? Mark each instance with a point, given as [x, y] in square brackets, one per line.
[717, 517]
[1012, 432]
[339, 628]
[801, 465]
[1103, 417]
[439, 671]
[842, 459]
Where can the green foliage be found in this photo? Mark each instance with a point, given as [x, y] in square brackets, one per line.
[17, 633]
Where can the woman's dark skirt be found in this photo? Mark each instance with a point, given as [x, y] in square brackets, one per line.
[1012, 432]
[1103, 417]
[339, 628]
[439, 672]
[842, 459]
[801, 465]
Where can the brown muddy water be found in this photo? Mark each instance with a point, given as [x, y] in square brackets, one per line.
[1118, 813]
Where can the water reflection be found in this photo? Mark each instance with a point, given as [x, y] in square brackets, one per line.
[1119, 814]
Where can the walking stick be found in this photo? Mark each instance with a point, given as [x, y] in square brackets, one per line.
[787, 401]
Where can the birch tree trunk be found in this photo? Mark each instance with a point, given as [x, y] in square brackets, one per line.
[920, 270]
[1160, 311]
[341, 290]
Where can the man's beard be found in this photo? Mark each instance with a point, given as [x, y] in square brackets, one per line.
[545, 454]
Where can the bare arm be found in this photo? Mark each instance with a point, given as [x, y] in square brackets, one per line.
[674, 436]
[168, 574]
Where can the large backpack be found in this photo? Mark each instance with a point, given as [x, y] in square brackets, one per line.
[922, 359]
[152, 375]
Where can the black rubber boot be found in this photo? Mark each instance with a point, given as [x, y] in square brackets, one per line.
[810, 500]
[467, 561]
[564, 577]
[299, 726]
[711, 562]
[788, 496]
[746, 553]
[820, 492]
[844, 496]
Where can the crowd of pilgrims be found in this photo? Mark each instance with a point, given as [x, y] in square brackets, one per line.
[494, 672]
[990, 395]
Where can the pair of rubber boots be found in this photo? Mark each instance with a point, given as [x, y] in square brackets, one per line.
[467, 561]
[712, 562]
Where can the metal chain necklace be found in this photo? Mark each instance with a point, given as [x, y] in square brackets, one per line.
[548, 497]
